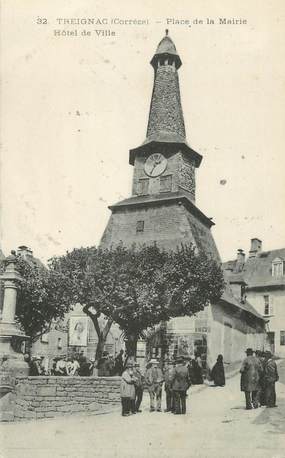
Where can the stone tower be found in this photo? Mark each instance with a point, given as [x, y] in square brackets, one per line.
[162, 206]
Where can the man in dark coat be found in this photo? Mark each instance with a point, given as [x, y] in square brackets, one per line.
[196, 369]
[119, 363]
[138, 387]
[35, 369]
[261, 392]
[84, 369]
[251, 371]
[168, 370]
[270, 378]
[104, 365]
[180, 384]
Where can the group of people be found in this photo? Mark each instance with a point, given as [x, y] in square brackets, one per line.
[76, 364]
[258, 377]
[177, 376]
[109, 366]
[61, 366]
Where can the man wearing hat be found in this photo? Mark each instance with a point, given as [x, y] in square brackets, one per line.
[180, 384]
[270, 378]
[127, 390]
[251, 372]
[35, 368]
[154, 380]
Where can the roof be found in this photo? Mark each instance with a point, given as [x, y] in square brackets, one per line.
[162, 198]
[257, 271]
[229, 298]
[188, 225]
[166, 127]
[236, 278]
[166, 139]
[166, 47]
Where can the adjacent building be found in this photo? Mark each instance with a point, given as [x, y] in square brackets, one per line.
[263, 273]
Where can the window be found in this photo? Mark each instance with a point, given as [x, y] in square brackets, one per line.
[166, 183]
[277, 268]
[140, 226]
[266, 305]
[282, 337]
[143, 186]
[59, 343]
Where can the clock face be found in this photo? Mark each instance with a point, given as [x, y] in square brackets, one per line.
[155, 165]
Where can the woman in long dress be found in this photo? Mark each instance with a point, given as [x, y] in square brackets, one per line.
[218, 372]
[196, 371]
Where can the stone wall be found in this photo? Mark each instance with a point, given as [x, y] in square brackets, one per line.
[42, 397]
[231, 332]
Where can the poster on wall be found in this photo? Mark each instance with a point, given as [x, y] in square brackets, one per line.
[78, 326]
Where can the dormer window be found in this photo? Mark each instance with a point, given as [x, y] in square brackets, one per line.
[277, 267]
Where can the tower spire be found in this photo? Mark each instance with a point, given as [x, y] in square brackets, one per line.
[166, 123]
[166, 116]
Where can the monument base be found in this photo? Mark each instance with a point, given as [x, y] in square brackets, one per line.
[10, 341]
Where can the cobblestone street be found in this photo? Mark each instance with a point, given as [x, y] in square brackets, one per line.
[216, 425]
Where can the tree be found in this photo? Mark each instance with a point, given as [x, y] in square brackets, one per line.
[40, 298]
[137, 287]
[194, 279]
[103, 281]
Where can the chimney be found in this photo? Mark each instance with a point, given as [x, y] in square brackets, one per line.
[255, 248]
[237, 285]
[25, 252]
[240, 256]
[240, 260]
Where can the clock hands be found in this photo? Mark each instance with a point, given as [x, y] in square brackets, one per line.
[155, 165]
[156, 162]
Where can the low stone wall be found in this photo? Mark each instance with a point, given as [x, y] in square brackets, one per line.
[43, 397]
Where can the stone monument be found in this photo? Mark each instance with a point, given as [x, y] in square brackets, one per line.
[10, 334]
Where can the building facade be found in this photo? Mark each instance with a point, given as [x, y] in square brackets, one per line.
[264, 276]
[60, 341]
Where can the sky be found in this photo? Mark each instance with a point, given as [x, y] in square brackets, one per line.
[73, 106]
